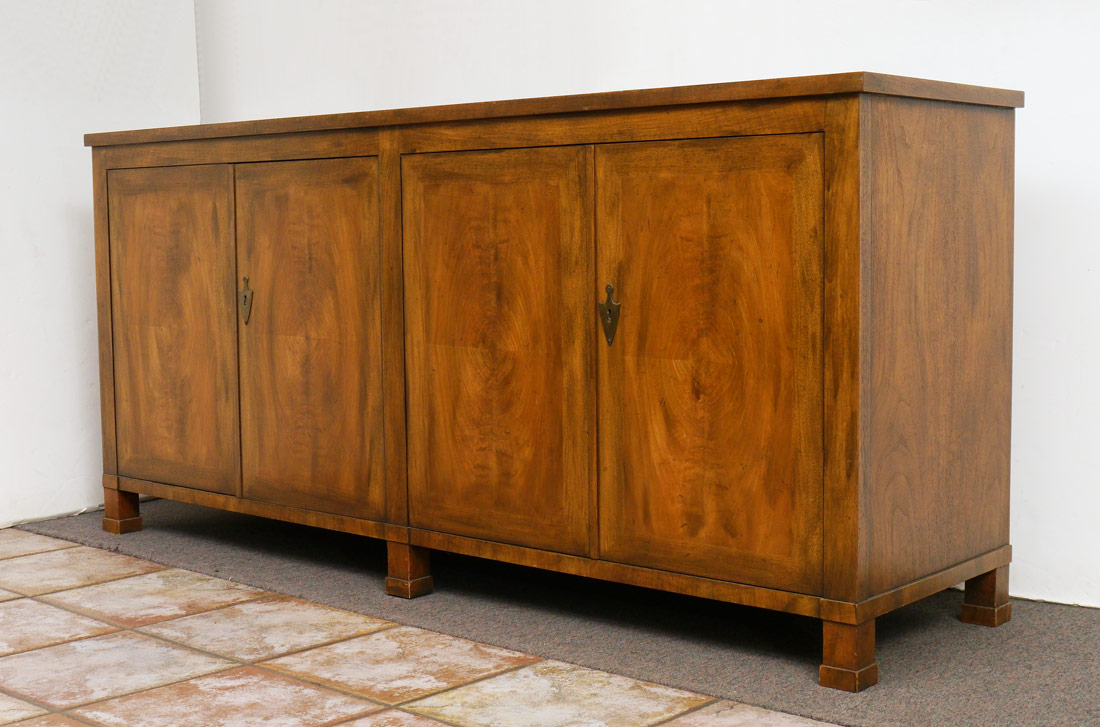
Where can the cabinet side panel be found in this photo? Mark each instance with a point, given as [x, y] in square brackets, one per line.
[937, 183]
[103, 314]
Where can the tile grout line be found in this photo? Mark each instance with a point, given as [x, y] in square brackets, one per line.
[696, 708]
[404, 706]
[405, 703]
[77, 610]
[4, 558]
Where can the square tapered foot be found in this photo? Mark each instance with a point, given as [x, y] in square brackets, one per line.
[848, 656]
[848, 680]
[120, 511]
[986, 615]
[409, 588]
[986, 600]
[409, 572]
[118, 527]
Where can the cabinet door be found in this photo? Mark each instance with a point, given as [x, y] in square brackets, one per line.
[711, 393]
[311, 364]
[174, 322]
[499, 334]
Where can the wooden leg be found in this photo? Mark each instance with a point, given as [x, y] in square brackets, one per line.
[409, 574]
[848, 656]
[120, 511]
[986, 600]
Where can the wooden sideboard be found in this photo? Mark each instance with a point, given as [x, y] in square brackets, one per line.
[746, 341]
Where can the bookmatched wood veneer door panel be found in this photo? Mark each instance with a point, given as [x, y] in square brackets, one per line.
[311, 364]
[499, 344]
[174, 320]
[710, 394]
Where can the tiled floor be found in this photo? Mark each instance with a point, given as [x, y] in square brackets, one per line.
[89, 637]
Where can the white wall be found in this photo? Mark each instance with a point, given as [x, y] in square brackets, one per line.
[261, 58]
[71, 67]
[66, 68]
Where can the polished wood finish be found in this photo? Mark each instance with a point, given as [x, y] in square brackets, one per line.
[409, 575]
[498, 345]
[824, 85]
[103, 312]
[848, 656]
[616, 127]
[174, 325]
[310, 353]
[940, 330]
[276, 147]
[232, 503]
[805, 408]
[728, 591]
[393, 329]
[120, 511]
[710, 396]
[985, 601]
[877, 605]
[846, 343]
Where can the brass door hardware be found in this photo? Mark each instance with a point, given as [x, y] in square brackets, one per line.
[245, 299]
[609, 315]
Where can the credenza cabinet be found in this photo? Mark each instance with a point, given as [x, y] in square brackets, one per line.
[748, 341]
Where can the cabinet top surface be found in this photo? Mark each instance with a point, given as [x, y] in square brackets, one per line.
[835, 83]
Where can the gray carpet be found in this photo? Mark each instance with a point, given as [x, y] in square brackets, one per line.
[1042, 668]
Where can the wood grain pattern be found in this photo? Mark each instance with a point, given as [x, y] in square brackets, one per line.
[232, 503]
[498, 344]
[276, 147]
[848, 656]
[697, 121]
[120, 511]
[311, 361]
[986, 600]
[103, 312]
[409, 570]
[717, 590]
[710, 396]
[174, 321]
[393, 330]
[938, 191]
[846, 357]
[836, 83]
[881, 603]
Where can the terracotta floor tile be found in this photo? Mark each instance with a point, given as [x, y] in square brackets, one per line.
[152, 597]
[7, 595]
[266, 629]
[399, 664]
[12, 709]
[32, 575]
[553, 694]
[52, 720]
[14, 543]
[244, 697]
[729, 714]
[27, 624]
[393, 718]
[100, 667]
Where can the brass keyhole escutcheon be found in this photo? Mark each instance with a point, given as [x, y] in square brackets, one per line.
[609, 315]
[245, 299]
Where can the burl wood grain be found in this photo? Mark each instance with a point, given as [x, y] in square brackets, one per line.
[498, 343]
[311, 361]
[174, 323]
[937, 186]
[710, 396]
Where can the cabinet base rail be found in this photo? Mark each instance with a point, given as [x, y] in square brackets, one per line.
[848, 629]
